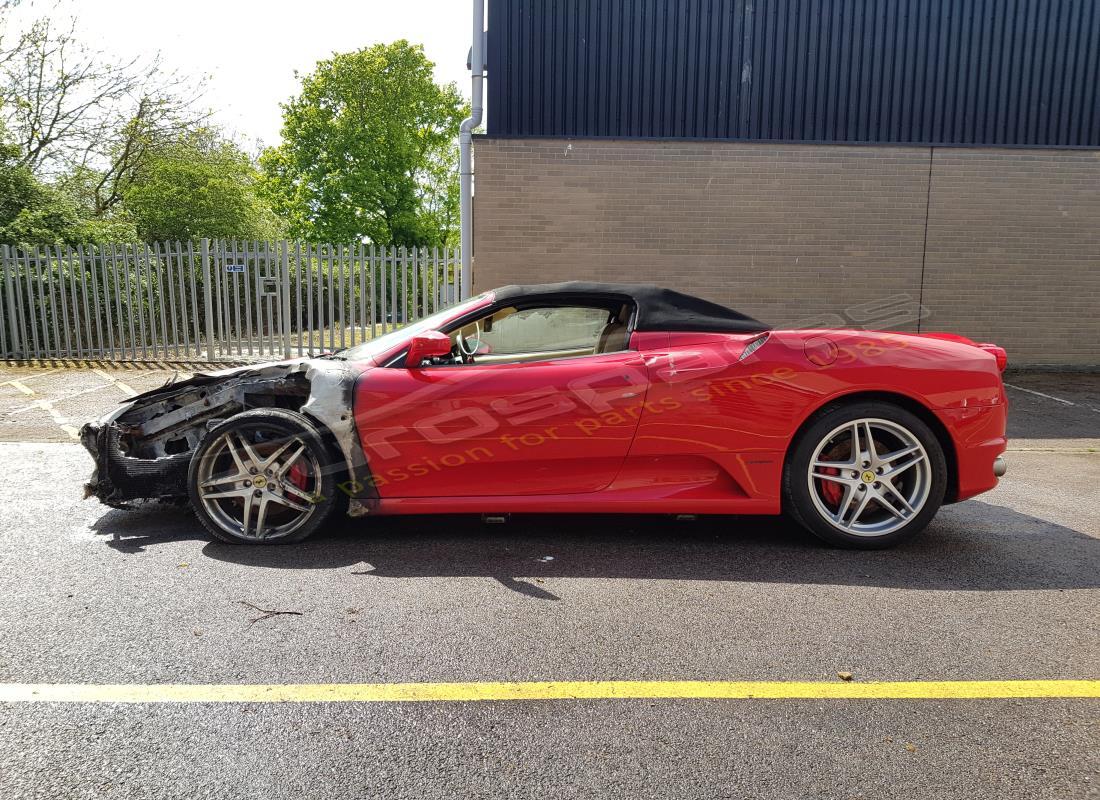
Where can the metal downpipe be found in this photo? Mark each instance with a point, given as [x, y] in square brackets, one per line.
[465, 147]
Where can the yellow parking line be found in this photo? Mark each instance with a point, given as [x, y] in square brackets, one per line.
[124, 387]
[57, 417]
[21, 387]
[542, 690]
[31, 378]
[72, 396]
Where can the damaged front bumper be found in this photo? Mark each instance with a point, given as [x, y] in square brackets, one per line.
[142, 450]
[118, 480]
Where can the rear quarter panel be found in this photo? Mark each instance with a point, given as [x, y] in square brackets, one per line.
[743, 414]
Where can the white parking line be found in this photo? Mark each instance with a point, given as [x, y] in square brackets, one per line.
[1040, 394]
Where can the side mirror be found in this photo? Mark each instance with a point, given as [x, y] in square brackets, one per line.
[427, 345]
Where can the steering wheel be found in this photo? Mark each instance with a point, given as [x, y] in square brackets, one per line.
[466, 349]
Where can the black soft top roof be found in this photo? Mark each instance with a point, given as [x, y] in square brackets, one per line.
[658, 309]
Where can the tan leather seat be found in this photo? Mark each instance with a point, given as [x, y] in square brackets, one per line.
[613, 338]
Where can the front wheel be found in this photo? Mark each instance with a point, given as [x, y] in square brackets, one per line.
[263, 477]
[865, 475]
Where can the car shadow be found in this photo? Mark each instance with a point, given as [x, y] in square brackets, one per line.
[132, 531]
[973, 546]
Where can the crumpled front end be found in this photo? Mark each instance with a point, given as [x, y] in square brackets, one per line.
[118, 479]
[142, 450]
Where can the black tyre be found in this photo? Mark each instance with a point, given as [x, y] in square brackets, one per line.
[865, 475]
[265, 476]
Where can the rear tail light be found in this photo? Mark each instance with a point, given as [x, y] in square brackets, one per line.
[999, 353]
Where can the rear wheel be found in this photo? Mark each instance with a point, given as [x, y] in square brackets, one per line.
[865, 475]
[263, 477]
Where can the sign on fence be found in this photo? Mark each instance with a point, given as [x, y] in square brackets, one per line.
[213, 300]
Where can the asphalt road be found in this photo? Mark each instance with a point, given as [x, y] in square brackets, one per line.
[1005, 587]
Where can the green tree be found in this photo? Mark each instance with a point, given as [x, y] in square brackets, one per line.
[199, 186]
[18, 186]
[77, 124]
[36, 213]
[368, 151]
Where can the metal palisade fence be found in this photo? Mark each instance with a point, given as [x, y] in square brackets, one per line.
[213, 300]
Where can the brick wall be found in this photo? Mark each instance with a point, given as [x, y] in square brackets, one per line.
[803, 234]
[1013, 251]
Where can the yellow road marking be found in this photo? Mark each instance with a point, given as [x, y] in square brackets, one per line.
[124, 387]
[56, 416]
[539, 690]
[21, 387]
[72, 396]
[31, 378]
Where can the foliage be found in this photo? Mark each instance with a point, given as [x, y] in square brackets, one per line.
[78, 125]
[96, 148]
[199, 186]
[68, 106]
[368, 151]
[35, 213]
[18, 187]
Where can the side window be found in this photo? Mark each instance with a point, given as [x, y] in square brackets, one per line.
[545, 330]
[536, 334]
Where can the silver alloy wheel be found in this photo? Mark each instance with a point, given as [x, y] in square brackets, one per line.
[869, 477]
[251, 494]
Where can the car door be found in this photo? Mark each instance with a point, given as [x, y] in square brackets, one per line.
[724, 403]
[556, 425]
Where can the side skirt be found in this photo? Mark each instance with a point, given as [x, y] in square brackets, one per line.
[597, 503]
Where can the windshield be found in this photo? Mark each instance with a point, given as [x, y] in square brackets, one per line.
[388, 341]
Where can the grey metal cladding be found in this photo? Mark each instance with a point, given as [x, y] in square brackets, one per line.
[978, 72]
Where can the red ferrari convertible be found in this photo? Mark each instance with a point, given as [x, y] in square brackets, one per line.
[574, 397]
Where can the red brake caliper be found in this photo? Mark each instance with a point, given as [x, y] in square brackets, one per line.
[831, 490]
[298, 476]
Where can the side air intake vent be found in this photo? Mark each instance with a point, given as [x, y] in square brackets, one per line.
[752, 347]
